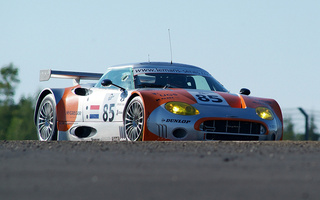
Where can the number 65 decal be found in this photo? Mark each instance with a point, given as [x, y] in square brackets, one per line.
[208, 98]
[108, 110]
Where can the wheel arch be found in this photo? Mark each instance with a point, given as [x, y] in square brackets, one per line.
[147, 134]
[133, 95]
[57, 93]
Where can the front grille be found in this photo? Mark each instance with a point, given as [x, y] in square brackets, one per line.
[230, 126]
[212, 136]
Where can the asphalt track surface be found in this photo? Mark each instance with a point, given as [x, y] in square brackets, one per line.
[159, 170]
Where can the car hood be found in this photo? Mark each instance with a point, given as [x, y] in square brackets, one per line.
[155, 97]
[202, 97]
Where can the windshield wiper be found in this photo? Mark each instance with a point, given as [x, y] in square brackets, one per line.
[149, 85]
[166, 86]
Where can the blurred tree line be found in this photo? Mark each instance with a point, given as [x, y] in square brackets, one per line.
[16, 120]
[290, 134]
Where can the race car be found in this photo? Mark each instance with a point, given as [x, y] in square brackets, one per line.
[152, 101]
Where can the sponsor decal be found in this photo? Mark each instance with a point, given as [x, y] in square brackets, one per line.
[110, 97]
[165, 96]
[67, 123]
[170, 70]
[168, 95]
[123, 95]
[70, 112]
[181, 121]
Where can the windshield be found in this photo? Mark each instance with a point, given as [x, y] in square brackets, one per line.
[166, 80]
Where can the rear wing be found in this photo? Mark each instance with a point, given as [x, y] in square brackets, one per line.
[45, 75]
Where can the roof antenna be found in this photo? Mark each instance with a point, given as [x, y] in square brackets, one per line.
[170, 44]
[148, 57]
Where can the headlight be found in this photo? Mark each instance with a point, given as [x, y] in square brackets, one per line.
[264, 113]
[181, 108]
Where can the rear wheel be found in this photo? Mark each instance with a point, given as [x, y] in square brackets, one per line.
[47, 119]
[134, 119]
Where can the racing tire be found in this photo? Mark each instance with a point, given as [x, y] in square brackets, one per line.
[134, 120]
[46, 121]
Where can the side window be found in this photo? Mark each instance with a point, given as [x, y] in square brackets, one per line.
[119, 76]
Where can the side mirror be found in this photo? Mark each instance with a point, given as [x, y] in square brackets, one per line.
[108, 82]
[245, 91]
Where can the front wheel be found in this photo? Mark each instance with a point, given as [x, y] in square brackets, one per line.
[134, 120]
[47, 119]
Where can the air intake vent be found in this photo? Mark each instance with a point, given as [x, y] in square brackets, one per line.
[230, 126]
[82, 91]
[83, 131]
[212, 136]
[162, 131]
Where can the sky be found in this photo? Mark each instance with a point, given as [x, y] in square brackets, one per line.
[269, 46]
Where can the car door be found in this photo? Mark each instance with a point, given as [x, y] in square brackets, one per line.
[106, 104]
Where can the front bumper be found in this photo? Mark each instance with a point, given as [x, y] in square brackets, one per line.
[213, 123]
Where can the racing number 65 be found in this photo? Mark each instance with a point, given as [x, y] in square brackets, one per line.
[106, 113]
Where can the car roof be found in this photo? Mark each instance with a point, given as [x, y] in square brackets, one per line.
[155, 64]
[176, 67]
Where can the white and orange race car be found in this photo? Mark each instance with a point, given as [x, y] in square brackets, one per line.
[152, 101]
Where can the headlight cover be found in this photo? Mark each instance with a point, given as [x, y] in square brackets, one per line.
[264, 113]
[181, 108]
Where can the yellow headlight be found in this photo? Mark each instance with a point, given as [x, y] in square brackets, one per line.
[181, 108]
[264, 113]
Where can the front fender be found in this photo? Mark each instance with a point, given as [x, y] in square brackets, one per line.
[152, 99]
